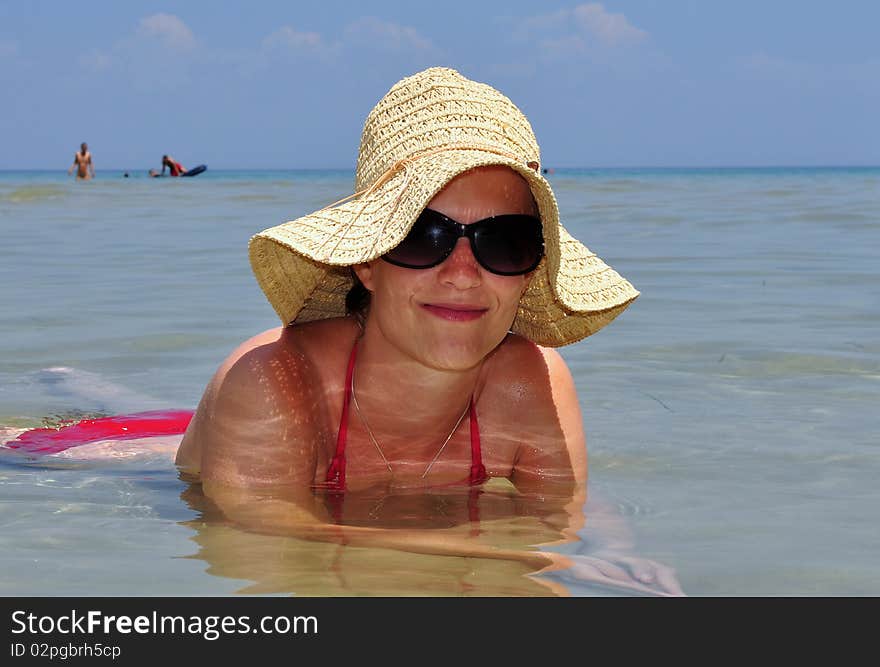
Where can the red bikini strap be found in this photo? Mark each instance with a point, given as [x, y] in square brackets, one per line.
[336, 471]
[478, 470]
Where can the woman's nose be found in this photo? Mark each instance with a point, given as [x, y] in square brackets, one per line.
[461, 268]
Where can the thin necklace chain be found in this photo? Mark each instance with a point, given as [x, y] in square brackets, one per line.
[376, 442]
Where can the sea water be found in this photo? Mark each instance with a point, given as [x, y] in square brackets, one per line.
[730, 412]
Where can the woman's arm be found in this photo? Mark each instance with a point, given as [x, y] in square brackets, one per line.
[553, 450]
[258, 423]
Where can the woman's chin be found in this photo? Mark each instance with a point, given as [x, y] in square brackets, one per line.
[448, 356]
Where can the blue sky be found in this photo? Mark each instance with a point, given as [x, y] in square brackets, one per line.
[288, 84]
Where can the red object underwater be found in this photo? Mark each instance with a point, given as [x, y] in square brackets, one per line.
[117, 427]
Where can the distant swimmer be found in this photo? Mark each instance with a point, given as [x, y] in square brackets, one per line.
[173, 165]
[83, 163]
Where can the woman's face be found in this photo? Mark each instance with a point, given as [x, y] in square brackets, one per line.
[452, 315]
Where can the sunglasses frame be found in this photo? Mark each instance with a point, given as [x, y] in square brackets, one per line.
[470, 231]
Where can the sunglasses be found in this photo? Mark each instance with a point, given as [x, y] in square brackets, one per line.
[507, 245]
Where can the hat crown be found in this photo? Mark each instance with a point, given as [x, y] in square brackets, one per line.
[435, 109]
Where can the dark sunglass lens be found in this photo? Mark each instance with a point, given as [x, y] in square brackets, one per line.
[427, 244]
[510, 244]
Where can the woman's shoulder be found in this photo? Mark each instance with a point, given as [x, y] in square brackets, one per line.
[529, 383]
[291, 364]
[311, 343]
[272, 386]
[518, 360]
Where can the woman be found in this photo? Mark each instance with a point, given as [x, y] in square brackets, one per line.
[438, 378]
[415, 353]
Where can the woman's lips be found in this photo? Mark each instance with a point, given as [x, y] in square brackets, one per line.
[455, 313]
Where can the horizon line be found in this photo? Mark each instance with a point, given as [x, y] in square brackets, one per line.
[555, 168]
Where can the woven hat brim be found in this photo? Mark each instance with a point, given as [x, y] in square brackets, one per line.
[581, 296]
[303, 265]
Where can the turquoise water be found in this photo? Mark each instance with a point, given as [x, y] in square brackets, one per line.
[730, 412]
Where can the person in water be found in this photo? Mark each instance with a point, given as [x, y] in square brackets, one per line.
[174, 167]
[82, 162]
[419, 317]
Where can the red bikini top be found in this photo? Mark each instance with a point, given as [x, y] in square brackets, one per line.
[335, 478]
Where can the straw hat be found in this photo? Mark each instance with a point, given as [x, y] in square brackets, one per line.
[428, 129]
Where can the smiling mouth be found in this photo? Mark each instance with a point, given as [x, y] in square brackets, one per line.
[455, 313]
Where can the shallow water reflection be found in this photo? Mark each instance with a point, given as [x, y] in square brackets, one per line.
[492, 555]
[494, 542]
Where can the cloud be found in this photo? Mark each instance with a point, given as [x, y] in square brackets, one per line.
[158, 38]
[287, 37]
[148, 57]
[287, 45]
[168, 28]
[386, 36]
[367, 32]
[584, 29]
[611, 29]
[360, 41]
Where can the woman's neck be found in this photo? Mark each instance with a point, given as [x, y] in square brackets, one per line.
[409, 405]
